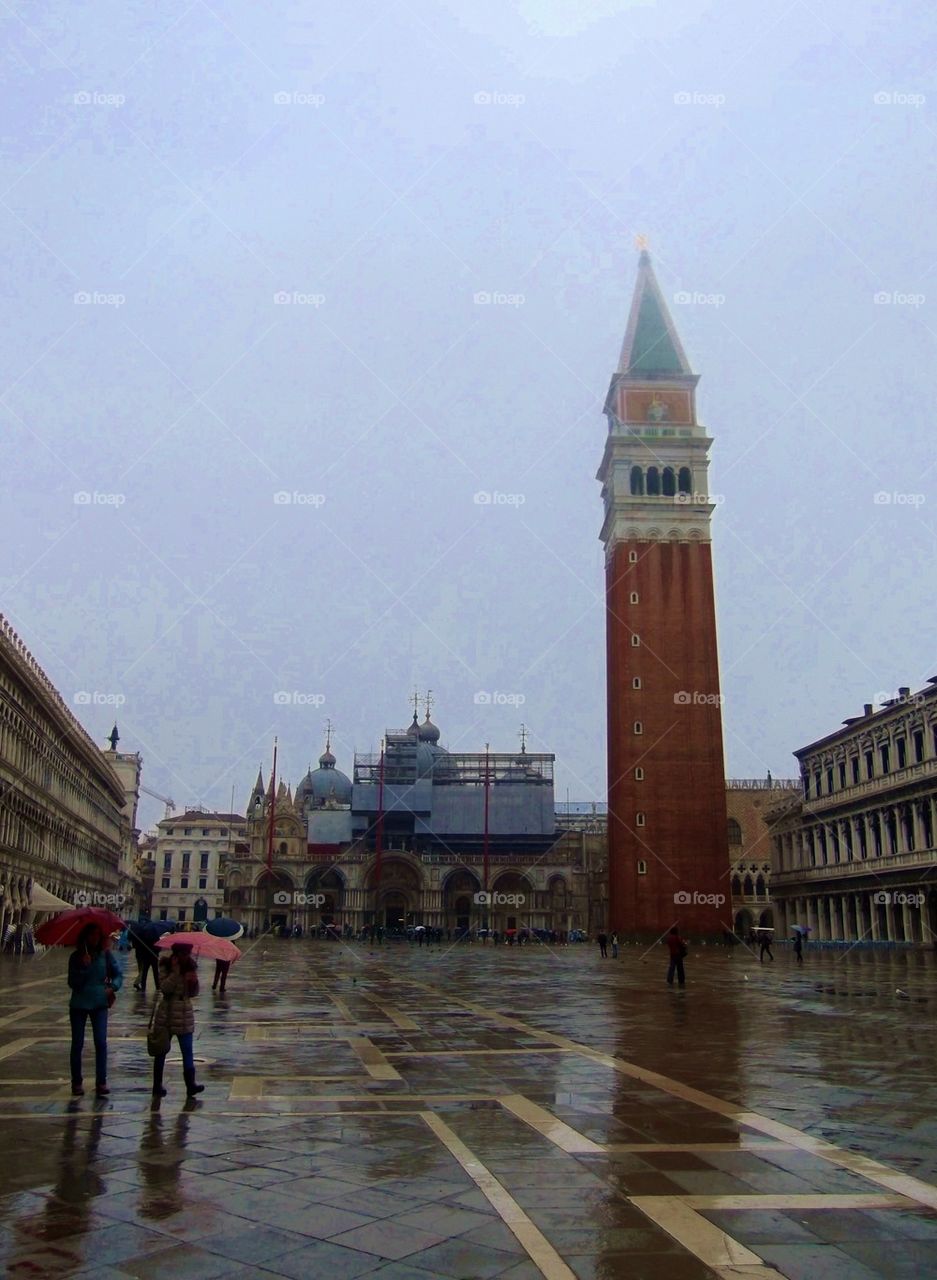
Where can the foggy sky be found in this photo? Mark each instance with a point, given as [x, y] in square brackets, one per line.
[175, 167]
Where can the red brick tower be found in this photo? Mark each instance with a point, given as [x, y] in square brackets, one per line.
[668, 856]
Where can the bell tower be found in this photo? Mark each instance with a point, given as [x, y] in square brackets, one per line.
[668, 857]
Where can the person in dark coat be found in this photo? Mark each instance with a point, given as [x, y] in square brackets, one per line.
[221, 975]
[677, 948]
[602, 940]
[143, 937]
[178, 984]
[799, 946]
[764, 945]
[94, 976]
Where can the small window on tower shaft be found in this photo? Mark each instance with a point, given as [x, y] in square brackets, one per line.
[634, 597]
[642, 867]
[635, 640]
[632, 557]
[638, 727]
[638, 774]
[639, 819]
[636, 682]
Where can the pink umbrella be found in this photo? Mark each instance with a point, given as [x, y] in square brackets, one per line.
[202, 944]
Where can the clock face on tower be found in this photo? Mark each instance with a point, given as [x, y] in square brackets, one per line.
[668, 405]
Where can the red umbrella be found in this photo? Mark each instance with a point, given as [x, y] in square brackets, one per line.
[202, 944]
[63, 930]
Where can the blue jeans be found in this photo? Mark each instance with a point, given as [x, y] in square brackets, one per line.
[187, 1051]
[99, 1032]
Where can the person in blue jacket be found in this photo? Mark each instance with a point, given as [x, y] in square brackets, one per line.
[94, 976]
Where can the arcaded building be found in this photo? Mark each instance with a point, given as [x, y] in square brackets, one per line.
[666, 792]
[418, 835]
[64, 825]
[748, 803]
[853, 854]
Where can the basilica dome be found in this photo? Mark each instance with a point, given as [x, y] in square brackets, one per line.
[324, 784]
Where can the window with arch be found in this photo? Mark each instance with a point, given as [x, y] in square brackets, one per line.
[638, 727]
[669, 482]
[638, 774]
[634, 597]
[636, 682]
[685, 480]
[734, 831]
[653, 481]
[637, 480]
[633, 559]
[748, 887]
[639, 820]
[642, 867]
[635, 640]
[736, 887]
[283, 848]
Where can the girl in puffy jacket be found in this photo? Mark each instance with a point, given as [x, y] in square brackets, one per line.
[178, 984]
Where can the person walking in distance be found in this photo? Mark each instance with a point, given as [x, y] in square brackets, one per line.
[614, 946]
[799, 946]
[764, 946]
[94, 977]
[221, 975]
[602, 940]
[677, 948]
[178, 984]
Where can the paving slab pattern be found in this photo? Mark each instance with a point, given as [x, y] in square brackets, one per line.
[479, 1112]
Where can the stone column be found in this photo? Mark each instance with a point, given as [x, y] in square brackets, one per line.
[907, 920]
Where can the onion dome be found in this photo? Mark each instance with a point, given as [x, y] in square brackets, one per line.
[427, 730]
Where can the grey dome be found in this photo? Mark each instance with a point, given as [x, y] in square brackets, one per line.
[428, 731]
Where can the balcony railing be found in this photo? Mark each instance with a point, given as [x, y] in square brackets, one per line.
[872, 786]
[919, 860]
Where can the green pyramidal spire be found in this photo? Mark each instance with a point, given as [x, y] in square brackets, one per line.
[651, 347]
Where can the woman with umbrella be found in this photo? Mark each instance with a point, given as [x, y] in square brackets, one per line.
[178, 984]
[94, 977]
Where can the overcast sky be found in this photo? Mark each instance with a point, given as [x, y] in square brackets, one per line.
[169, 170]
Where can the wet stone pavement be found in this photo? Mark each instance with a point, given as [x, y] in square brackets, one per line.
[473, 1112]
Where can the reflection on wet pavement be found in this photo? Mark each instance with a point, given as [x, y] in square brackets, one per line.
[477, 1112]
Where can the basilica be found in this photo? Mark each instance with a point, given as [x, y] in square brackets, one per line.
[418, 835]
